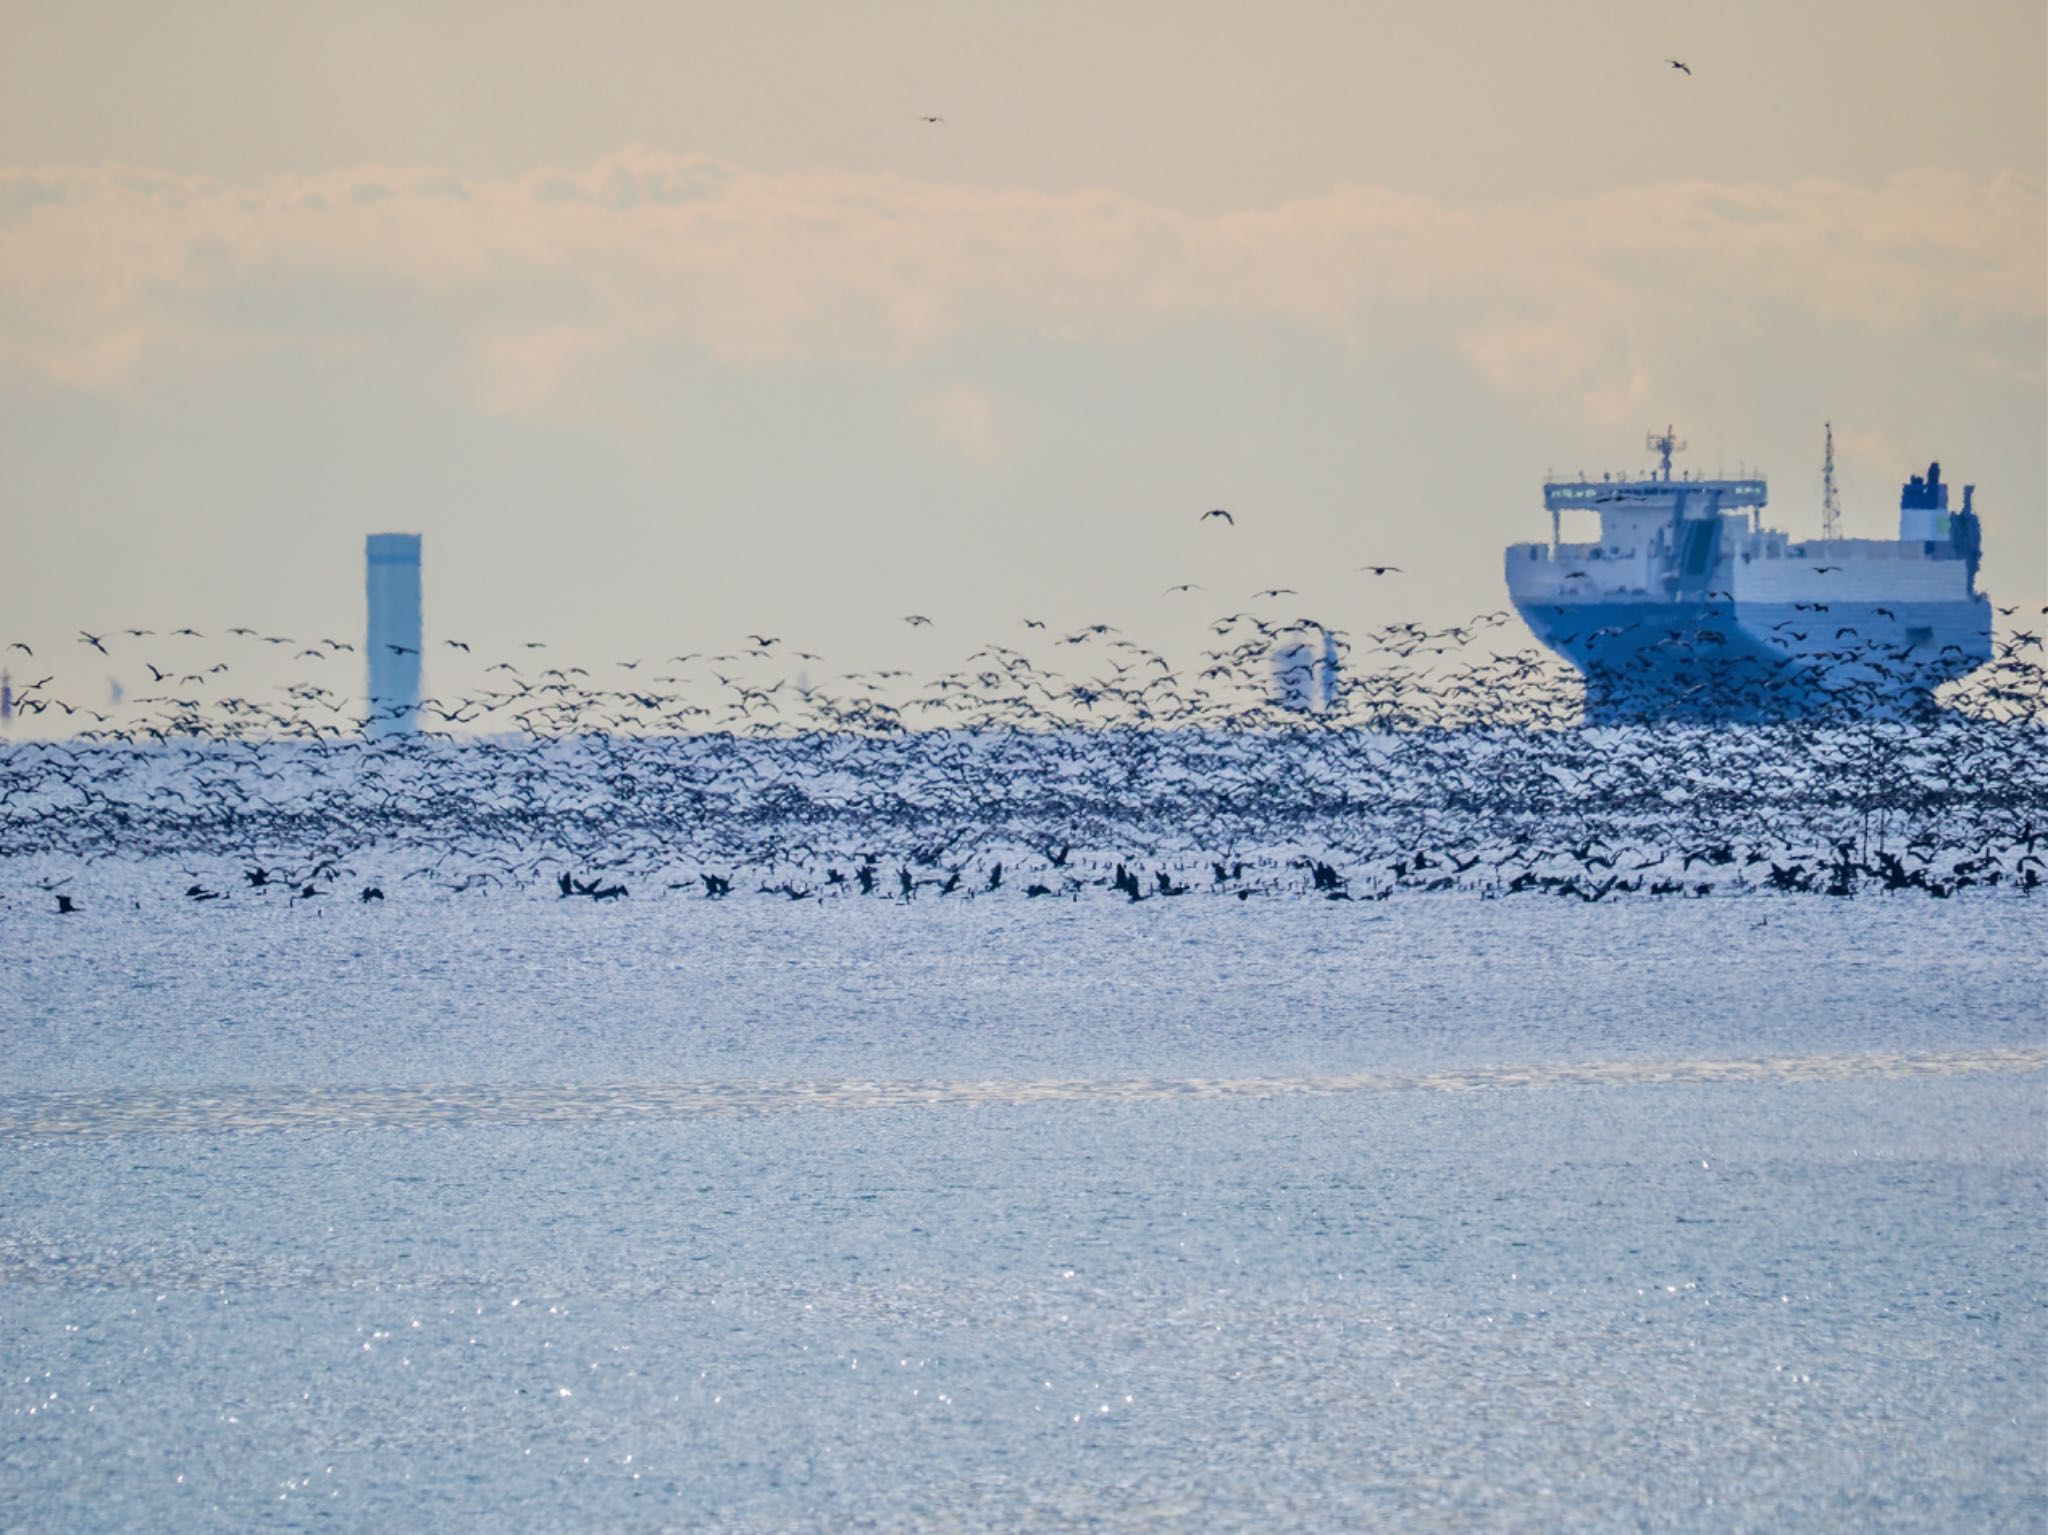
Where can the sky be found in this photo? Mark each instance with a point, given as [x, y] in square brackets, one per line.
[667, 323]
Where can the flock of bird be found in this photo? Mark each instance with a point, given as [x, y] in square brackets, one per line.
[1070, 765]
[1439, 764]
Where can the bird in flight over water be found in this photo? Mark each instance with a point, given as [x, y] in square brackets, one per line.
[1217, 511]
[1675, 64]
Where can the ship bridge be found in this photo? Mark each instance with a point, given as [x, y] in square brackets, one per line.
[1679, 497]
[1662, 495]
[1661, 519]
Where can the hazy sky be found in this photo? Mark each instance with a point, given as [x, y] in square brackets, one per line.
[663, 322]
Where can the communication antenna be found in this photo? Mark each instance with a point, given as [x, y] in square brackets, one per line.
[1664, 444]
[1830, 501]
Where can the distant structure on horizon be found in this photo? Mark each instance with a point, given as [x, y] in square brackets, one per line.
[1294, 677]
[1304, 681]
[392, 644]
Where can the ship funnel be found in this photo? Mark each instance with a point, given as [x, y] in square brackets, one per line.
[1923, 507]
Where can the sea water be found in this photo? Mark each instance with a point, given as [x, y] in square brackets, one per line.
[488, 1212]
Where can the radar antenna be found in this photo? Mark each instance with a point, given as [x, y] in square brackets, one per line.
[1664, 444]
[1830, 502]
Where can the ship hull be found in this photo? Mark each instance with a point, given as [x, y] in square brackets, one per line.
[1649, 659]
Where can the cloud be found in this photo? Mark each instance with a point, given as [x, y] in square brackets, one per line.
[1598, 365]
[965, 417]
[532, 280]
[521, 374]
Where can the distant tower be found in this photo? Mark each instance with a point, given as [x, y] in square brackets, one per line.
[1329, 677]
[1830, 502]
[1294, 677]
[392, 586]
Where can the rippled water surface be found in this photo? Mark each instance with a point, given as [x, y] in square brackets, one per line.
[516, 1213]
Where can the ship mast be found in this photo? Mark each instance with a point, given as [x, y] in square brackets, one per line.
[1664, 444]
[1830, 502]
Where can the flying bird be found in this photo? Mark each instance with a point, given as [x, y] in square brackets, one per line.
[931, 117]
[1675, 64]
[1185, 586]
[1382, 570]
[1217, 511]
[915, 619]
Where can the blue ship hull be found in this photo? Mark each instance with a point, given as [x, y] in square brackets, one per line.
[1651, 659]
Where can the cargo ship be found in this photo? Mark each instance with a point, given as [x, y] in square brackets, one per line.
[1687, 607]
